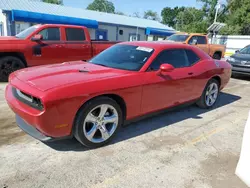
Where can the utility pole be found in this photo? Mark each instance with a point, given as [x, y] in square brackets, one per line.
[217, 10]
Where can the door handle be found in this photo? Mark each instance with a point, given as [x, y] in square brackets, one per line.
[190, 73]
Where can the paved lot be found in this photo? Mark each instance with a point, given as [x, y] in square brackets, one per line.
[186, 148]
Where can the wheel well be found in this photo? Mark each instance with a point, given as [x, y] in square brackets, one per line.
[117, 99]
[14, 54]
[218, 52]
[218, 79]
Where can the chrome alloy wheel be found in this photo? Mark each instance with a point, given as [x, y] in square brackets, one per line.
[211, 94]
[100, 123]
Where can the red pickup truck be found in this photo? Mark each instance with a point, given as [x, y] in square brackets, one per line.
[47, 44]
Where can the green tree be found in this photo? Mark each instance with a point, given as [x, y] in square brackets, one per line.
[102, 6]
[169, 15]
[191, 20]
[120, 13]
[151, 15]
[209, 9]
[57, 2]
[238, 18]
[136, 14]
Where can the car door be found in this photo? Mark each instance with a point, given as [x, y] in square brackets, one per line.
[49, 49]
[77, 47]
[201, 42]
[176, 87]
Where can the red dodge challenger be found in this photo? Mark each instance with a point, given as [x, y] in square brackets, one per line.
[91, 100]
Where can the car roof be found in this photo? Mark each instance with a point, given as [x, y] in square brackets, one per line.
[164, 44]
[59, 25]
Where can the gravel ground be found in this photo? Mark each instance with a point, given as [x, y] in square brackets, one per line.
[184, 148]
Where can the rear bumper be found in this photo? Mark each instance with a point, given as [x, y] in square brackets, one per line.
[31, 130]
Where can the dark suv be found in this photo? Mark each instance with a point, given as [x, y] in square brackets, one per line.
[240, 61]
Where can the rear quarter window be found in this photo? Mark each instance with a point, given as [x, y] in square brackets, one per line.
[192, 57]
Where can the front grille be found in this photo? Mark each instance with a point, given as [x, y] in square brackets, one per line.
[28, 99]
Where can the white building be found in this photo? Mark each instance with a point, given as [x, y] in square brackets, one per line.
[17, 15]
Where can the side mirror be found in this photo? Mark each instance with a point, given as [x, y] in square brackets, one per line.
[164, 68]
[37, 38]
[237, 51]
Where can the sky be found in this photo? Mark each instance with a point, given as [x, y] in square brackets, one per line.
[130, 6]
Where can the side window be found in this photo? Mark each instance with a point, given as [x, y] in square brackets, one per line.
[52, 34]
[175, 57]
[192, 57]
[193, 40]
[75, 34]
[202, 40]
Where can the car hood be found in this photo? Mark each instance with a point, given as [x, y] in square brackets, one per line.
[242, 57]
[10, 40]
[51, 76]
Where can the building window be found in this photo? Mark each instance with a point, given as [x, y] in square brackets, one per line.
[133, 37]
[21, 26]
[120, 32]
[75, 34]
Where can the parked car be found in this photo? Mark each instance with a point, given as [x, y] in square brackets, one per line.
[47, 44]
[91, 100]
[200, 40]
[240, 61]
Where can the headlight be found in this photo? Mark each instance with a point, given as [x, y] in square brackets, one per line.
[231, 59]
[28, 99]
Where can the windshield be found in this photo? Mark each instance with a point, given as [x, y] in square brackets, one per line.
[125, 57]
[25, 33]
[178, 38]
[245, 50]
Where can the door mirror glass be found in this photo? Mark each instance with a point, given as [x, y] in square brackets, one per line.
[37, 38]
[166, 67]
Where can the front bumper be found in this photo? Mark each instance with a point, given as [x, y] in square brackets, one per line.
[239, 69]
[31, 130]
[44, 125]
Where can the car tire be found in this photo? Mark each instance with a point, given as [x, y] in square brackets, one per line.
[217, 56]
[92, 127]
[8, 65]
[209, 95]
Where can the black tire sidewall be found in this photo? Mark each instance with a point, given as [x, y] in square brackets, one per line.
[83, 112]
[14, 58]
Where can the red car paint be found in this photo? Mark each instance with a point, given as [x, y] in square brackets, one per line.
[63, 89]
[34, 53]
